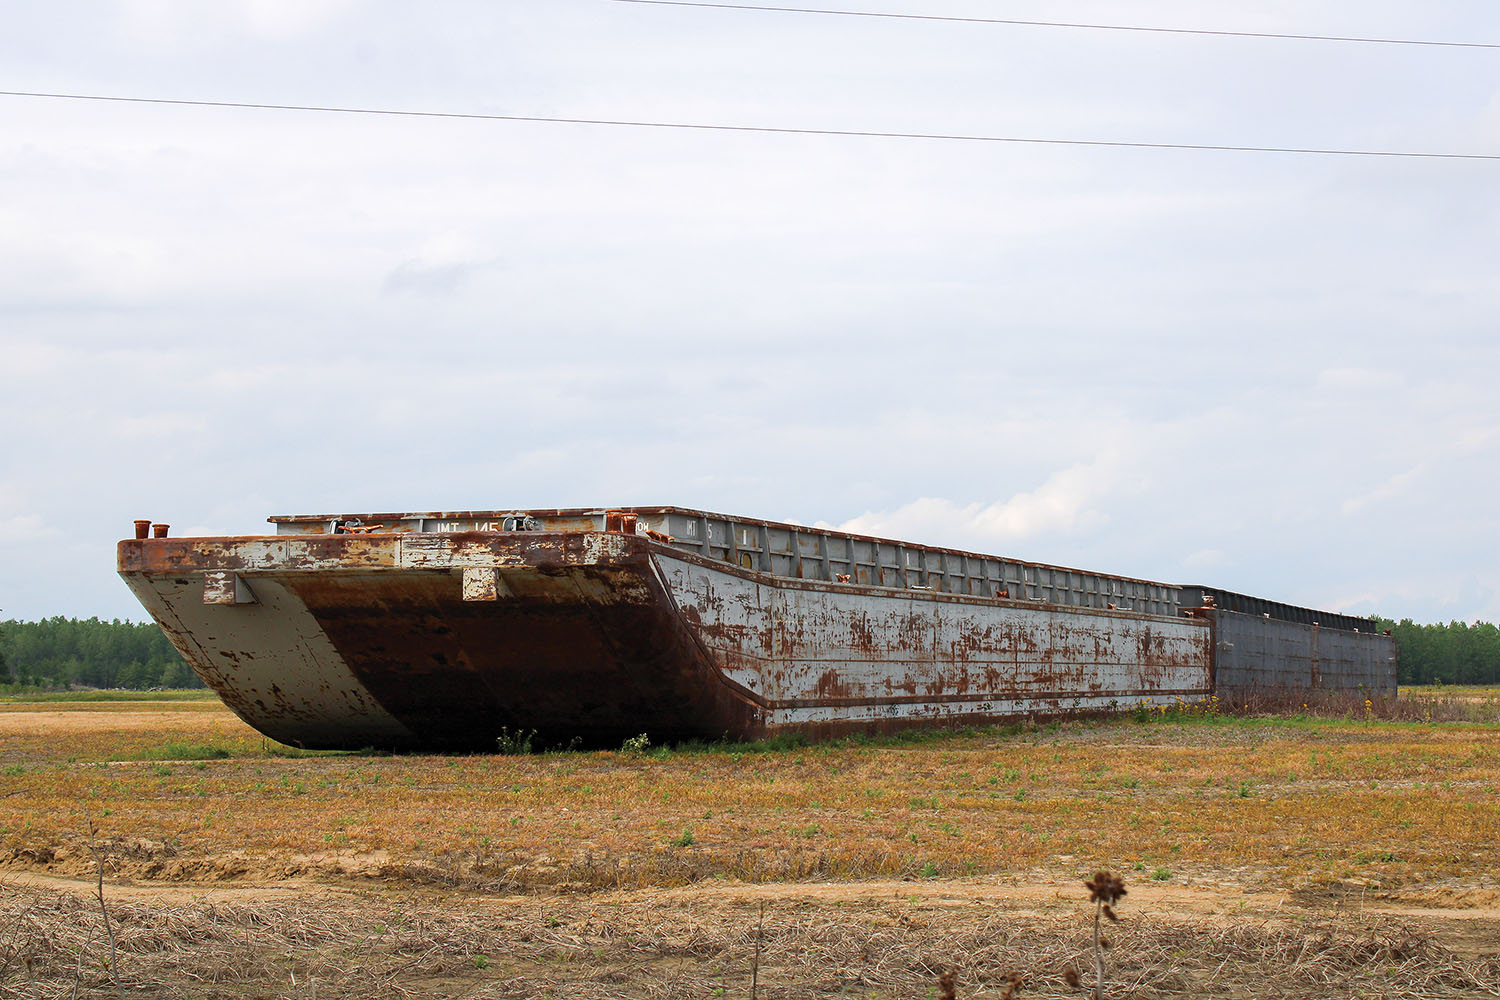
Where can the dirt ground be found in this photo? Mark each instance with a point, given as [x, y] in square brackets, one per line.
[354, 920]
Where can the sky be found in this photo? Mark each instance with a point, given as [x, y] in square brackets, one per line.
[1267, 372]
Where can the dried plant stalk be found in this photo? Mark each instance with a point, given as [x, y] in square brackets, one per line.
[1105, 889]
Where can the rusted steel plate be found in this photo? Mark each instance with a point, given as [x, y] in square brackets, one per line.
[864, 655]
[271, 662]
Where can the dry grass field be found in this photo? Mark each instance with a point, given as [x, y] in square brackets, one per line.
[1311, 856]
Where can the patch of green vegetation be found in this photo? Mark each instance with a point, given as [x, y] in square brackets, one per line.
[514, 744]
[186, 751]
[636, 744]
[13, 694]
[784, 742]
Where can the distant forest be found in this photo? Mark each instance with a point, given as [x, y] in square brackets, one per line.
[59, 652]
[87, 652]
[1456, 653]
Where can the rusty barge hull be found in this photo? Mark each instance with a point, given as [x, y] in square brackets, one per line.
[444, 631]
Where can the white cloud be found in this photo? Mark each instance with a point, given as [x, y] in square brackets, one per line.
[289, 18]
[429, 277]
[1205, 559]
[26, 529]
[1356, 604]
[1357, 380]
[1477, 439]
[169, 21]
[1074, 500]
[1395, 486]
[26, 360]
[157, 426]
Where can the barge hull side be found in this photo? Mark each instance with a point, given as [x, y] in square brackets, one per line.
[1268, 659]
[827, 660]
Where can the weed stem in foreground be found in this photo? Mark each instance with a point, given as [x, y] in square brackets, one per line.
[1105, 889]
[109, 931]
[755, 966]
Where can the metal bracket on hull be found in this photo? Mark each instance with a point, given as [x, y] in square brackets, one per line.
[221, 586]
[484, 583]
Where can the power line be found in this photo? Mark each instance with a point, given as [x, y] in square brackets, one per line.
[764, 129]
[1070, 24]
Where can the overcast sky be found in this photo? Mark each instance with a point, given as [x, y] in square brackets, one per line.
[1271, 373]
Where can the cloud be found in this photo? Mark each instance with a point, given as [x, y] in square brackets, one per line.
[1396, 485]
[1205, 559]
[1430, 598]
[158, 427]
[1357, 380]
[31, 360]
[427, 278]
[26, 529]
[1476, 439]
[1072, 501]
[1366, 603]
[288, 18]
[166, 21]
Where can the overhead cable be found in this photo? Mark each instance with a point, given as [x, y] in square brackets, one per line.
[1068, 24]
[762, 129]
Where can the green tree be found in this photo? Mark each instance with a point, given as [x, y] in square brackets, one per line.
[92, 653]
[1452, 653]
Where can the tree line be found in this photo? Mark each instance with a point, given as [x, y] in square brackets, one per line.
[87, 652]
[1455, 653]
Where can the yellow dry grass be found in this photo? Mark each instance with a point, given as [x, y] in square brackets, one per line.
[1274, 804]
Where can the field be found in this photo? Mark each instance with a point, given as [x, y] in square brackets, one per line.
[1307, 856]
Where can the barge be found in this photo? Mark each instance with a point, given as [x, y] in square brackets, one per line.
[445, 630]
